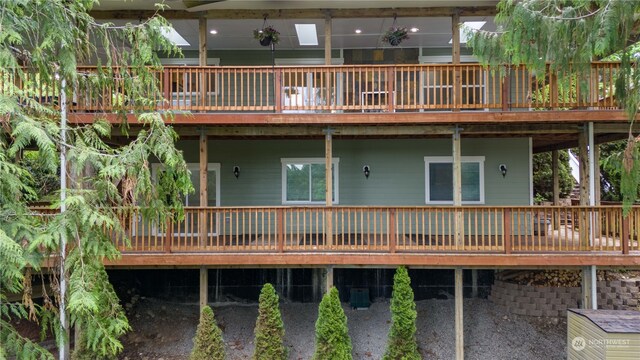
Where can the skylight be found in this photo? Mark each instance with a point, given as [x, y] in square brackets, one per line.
[172, 35]
[307, 35]
[469, 25]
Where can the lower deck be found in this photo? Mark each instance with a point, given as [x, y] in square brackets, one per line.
[384, 236]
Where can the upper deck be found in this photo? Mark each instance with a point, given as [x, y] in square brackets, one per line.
[350, 89]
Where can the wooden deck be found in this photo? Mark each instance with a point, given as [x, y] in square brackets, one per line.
[362, 236]
[341, 89]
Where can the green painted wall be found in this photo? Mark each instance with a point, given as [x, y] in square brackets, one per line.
[397, 168]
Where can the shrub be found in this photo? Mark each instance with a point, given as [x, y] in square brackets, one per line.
[402, 334]
[332, 334]
[269, 329]
[207, 344]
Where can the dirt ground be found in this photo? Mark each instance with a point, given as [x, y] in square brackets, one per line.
[164, 330]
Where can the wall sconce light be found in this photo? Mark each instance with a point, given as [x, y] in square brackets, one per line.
[366, 170]
[503, 169]
[236, 171]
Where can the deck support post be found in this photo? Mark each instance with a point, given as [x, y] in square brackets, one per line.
[288, 291]
[474, 283]
[328, 279]
[202, 57]
[204, 287]
[202, 223]
[455, 57]
[585, 186]
[459, 325]
[328, 144]
[555, 168]
[457, 188]
[315, 283]
[589, 288]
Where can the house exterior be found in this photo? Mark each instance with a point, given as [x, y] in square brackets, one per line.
[355, 153]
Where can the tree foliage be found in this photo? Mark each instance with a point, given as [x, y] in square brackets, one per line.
[332, 335]
[42, 42]
[569, 34]
[543, 175]
[402, 344]
[269, 331]
[208, 344]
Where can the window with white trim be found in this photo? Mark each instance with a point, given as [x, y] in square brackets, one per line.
[304, 180]
[439, 179]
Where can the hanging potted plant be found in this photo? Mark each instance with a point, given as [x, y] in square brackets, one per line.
[395, 35]
[267, 35]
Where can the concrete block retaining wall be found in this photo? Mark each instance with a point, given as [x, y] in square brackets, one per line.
[554, 301]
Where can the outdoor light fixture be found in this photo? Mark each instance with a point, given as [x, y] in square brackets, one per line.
[503, 169]
[367, 171]
[213, 32]
[358, 31]
[236, 171]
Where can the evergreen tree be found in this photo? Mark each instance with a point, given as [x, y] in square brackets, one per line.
[41, 44]
[269, 329]
[208, 344]
[568, 35]
[402, 334]
[332, 334]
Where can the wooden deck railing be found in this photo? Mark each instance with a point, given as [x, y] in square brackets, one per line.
[349, 88]
[509, 230]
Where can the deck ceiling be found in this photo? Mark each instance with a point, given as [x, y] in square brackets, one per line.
[234, 32]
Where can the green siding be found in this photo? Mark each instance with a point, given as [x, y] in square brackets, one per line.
[397, 168]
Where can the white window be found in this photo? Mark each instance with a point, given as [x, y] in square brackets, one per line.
[304, 181]
[439, 179]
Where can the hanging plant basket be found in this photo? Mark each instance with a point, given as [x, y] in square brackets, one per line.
[266, 36]
[395, 35]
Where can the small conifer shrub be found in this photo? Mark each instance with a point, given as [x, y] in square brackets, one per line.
[208, 344]
[269, 331]
[402, 334]
[332, 334]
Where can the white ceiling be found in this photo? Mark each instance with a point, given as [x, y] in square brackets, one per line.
[238, 34]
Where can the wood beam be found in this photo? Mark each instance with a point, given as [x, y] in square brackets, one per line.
[349, 259]
[204, 287]
[204, 196]
[202, 41]
[459, 319]
[327, 41]
[328, 158]
[356, 118]
[455, 57]
[457, 186]
[240, 14]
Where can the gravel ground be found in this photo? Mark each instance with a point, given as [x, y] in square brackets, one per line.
[164, 330]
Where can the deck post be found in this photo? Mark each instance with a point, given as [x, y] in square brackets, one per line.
[457, 188]
[202, 223]
[583, 158]
[506, 232]
[289, 291]
[166, 84]
[392, 231]
[202, 57]
[280, 230]
[474, 283]
[459, 325]
[506, 89]
[555, 168]
[328, 279]
[625, 233]
[327, 52]
[589, 288]
[328, 156]
[204, 287]
[455, 57]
